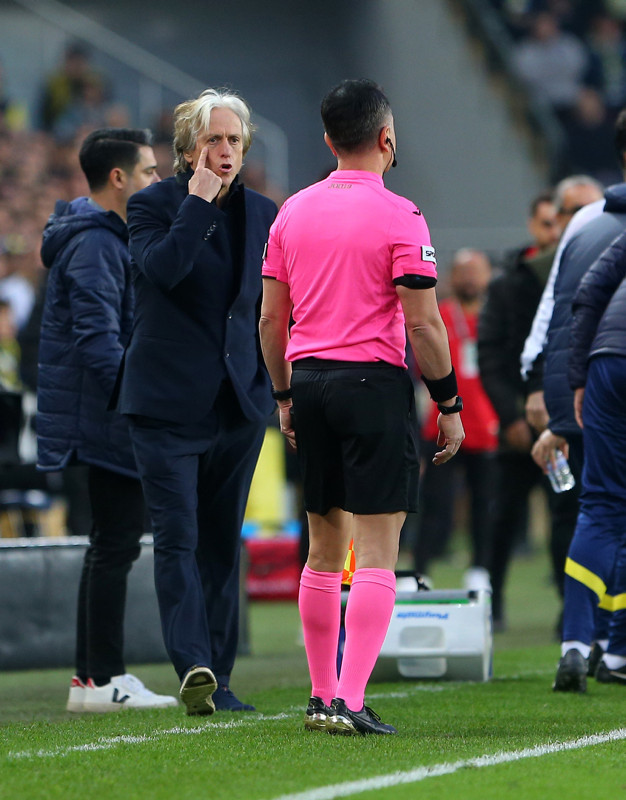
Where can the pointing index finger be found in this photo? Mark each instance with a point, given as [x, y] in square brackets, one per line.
[202, 158]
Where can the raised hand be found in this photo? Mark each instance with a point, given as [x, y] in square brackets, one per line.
[204, 182]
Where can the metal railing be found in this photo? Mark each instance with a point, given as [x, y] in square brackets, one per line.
[154, 75]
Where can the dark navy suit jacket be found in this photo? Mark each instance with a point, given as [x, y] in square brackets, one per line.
[196, 319]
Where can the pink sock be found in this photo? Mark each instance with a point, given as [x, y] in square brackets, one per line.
[370, 605]
[319, 602]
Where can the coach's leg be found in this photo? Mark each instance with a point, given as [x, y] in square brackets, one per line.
[371, 601]
[319, 599]
[167, 461]
[224, 479]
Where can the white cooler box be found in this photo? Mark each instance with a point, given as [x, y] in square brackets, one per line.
[445, 633]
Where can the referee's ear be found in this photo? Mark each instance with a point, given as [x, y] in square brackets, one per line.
[330, 144]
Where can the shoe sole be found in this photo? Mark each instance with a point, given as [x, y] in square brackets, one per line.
[104, 708]
[197, 690]
[315, 723]
[75, 708]
[341, 726]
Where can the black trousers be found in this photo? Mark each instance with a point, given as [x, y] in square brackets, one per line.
[196, 479]
[118, 523]
[439, 486]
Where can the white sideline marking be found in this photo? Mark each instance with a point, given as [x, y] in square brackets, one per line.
[434, 770]
[107, 743]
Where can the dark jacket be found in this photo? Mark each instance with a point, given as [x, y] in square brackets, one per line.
[599, 312]
[581, 251]
[197, 271]
[503, 325]
[86, 324]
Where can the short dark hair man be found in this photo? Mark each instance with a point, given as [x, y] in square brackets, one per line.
[195, 387]
[353, 262]
[87, 320]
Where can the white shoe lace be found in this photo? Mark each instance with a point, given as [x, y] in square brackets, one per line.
[131, 683]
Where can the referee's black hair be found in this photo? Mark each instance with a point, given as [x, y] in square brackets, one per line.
[106, 148]
[353, 113]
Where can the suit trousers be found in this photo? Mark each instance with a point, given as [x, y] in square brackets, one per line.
[196, 479]
[117, 509]
[596, 567]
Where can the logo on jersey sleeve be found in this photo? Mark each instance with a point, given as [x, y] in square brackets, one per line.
[428, 253]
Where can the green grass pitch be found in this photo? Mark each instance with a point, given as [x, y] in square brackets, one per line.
[509, 738]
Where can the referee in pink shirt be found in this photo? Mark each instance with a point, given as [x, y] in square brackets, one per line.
[353, 264]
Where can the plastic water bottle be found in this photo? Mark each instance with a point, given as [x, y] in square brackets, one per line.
[561, 478]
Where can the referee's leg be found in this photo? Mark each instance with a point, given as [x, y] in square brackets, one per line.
[319, 600]
[371, 601]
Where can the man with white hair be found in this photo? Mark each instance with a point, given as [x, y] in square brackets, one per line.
[194, 385]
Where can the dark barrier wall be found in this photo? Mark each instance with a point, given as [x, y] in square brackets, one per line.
[38, 591]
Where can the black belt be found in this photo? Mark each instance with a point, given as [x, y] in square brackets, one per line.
[322, 363]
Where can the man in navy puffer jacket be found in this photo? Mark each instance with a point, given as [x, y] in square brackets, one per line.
[87, 320]
[596, 565]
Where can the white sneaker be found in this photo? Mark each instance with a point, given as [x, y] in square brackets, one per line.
[477, 578]
[76, 700]
[123, 691]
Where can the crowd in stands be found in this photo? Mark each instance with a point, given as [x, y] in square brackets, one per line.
[571, 54]
[38, 166]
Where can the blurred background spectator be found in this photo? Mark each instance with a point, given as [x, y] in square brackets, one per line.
[607, 66]
[67, 88]
[589, 147]
[472, 468]
[552, 63]
[16, 287]
[13, 115]
[9, 350]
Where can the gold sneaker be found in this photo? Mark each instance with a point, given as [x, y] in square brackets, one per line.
[317, 715]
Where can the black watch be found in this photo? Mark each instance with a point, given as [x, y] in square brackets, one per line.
[458, 406]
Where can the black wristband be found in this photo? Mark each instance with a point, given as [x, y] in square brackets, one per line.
[442, 388]
[285, 394]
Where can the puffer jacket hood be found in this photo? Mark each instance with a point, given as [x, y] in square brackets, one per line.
[70, 219]
[615, 197]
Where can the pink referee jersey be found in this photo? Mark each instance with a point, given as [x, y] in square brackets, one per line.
[339, 244]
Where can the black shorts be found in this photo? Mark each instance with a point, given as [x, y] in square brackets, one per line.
[356, 434]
